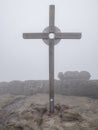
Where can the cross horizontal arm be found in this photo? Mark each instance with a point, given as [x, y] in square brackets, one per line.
[35, 35]
[68, 35]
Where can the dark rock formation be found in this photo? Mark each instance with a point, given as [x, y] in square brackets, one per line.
[74, 75]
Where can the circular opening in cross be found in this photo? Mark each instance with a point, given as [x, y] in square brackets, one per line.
[51, 35]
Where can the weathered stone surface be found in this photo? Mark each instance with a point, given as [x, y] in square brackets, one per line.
[71, 113]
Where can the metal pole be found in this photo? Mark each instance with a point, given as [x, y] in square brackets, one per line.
[51, 75]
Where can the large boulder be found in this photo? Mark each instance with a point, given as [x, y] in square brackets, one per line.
[84, 75]
[74, 75]
[71, 75]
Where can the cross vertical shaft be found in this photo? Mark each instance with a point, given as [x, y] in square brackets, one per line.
[51, 76]
[51, 58]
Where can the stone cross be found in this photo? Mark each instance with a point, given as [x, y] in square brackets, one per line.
[51, 36]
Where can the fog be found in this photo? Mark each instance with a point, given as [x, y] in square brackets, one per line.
[22, 59]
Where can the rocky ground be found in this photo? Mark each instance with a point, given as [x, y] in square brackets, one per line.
[32, 113]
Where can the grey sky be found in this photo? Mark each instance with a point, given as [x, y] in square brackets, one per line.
[28, 59]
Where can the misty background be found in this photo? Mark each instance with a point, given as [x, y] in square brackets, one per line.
[28, 59]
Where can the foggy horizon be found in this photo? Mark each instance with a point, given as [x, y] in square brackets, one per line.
[22, 59]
